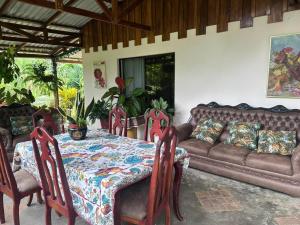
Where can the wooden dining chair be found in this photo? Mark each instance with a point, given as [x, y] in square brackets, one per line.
[53, 176]
[16, 186]
[156, 117]
[118, 121]
[48, 121]
[143, 202]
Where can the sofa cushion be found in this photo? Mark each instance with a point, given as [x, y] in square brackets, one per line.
[20, 138]
[195, 146]
[208, 130]
[270, 162]
[278, 142]
[21, 125]
[229, 153]
[243, 134]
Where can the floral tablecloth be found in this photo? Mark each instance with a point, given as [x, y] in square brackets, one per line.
[97, 168]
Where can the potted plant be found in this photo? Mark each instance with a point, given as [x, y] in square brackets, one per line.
[161, 105]
[134, 103]
[100, 111]
[78, 119]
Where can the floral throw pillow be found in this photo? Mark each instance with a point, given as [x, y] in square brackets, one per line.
[243, 134]
[277, 142]
[208, 130]
[21, 125]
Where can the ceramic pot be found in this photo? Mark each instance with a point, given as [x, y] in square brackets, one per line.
[76, 132]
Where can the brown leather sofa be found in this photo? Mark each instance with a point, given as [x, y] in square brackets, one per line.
[10, 140]
[277, 172]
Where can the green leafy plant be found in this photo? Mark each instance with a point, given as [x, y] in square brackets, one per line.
[9, 70]
[135, 103]
[100, 110]
[161, 105]
[79, 113]
[37, 74]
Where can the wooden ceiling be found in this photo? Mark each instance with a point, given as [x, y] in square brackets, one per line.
[49, 35]
[167, 16]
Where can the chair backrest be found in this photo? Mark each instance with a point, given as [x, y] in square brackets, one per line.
[51, 170]
[161, 178]
[8, 183]
[118, 121]
[156, 119]
[48, 121]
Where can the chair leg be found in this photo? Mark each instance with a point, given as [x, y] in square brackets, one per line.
[57, 213]
[2, 215]
[168, 215]
[39, 197]
[16, 212]
[30, 200]
[48, 215]
[71, 220]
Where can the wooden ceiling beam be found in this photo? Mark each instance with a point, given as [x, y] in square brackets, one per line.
[89, 14]
[5, 5]
[57, 14]
[105, 9]
[22, 32]
[28, 27]
[38, 23]
[49, 42]
[22, 55]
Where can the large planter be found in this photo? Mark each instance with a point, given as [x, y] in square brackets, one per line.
[77, 133]
[104, 123]
[133, 124]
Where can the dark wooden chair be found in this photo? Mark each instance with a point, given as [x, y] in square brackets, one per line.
[48, 121]
[118, 121]
[16, 186]
[49, 167]
[156, 117]
[143, 202]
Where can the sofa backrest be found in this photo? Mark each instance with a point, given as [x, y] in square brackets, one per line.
[275, 118]
[13, 110]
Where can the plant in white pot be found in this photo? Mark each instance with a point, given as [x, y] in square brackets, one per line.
[78, 119]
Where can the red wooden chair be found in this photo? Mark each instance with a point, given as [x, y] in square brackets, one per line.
[156, 117]
[118, 121]
[49, 167]
[142, 203]
[48, 121]
[16, 185]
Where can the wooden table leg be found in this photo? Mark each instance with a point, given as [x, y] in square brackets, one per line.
[176, 189]
[117, 216]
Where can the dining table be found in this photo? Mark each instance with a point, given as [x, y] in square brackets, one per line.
[99, 167]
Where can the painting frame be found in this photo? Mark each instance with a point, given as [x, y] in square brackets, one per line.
[99, 74]
[283, 80]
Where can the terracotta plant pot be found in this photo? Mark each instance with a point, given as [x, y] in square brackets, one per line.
[104, 123]
[76, 132]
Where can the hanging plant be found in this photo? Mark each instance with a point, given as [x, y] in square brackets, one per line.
[9, 70]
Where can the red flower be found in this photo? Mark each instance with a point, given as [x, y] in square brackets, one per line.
[288, 49]
[281, 57]
[120, 82]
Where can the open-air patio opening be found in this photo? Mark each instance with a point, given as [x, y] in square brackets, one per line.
[150, 112]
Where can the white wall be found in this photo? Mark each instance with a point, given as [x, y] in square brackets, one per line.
[229, 67]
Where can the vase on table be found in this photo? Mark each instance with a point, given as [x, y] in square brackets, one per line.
[76, 132]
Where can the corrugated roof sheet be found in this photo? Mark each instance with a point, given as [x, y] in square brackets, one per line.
[35, 16]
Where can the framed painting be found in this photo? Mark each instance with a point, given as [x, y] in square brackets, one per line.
[284, 67]
[99, 74]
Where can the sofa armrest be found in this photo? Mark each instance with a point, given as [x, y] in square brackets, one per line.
[296, 160]
[6, 138]
[184, 131]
